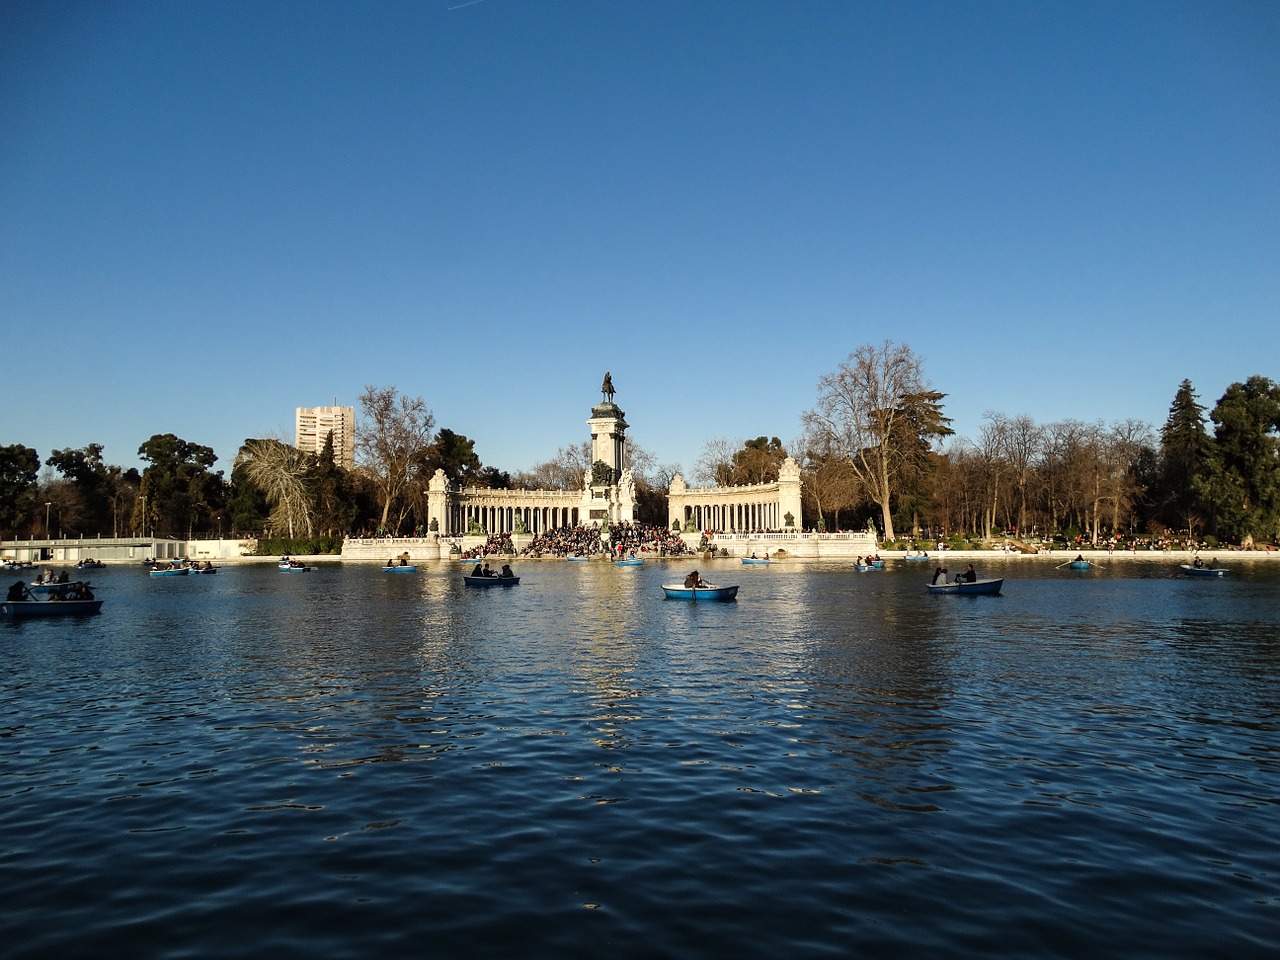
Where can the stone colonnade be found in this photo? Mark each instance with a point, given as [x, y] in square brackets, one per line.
[497, 511]
[759, 506]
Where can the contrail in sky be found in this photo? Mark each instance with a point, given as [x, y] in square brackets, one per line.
[469, 3]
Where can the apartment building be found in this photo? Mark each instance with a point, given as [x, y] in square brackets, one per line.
[313, 426]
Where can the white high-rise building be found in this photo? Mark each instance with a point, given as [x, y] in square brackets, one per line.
[314, 424]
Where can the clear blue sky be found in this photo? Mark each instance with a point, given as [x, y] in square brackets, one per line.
[211, 213]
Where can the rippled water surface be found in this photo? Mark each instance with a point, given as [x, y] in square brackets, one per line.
[350, 764]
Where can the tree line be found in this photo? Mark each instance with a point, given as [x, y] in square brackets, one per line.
[876, 448]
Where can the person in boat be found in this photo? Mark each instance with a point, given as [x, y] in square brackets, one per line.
[858, 562]
[391, 562]
[1079, 558]
[939, 573]
[969, 576]
[488, 571]
[17, 592]
[1198, 563]
[506, 574]
[477, 572]
[404, 562]
[694, 580]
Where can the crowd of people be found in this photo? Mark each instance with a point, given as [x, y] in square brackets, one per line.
[624, 540]
[627, 539]
[565, 542]
[495, 545]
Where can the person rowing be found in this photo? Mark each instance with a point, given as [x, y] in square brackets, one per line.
[694, 580]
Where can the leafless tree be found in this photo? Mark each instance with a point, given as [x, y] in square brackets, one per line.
[715, 463]
[863, 410]
[392, 440]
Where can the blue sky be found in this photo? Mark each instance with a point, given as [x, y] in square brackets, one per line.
[213, 213]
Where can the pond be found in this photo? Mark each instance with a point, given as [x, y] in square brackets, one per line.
[346, 763]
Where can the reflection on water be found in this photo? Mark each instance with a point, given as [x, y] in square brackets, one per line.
[344, 762]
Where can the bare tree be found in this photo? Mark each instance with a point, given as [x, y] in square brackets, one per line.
[716, 461]
[829, 481]
[392, 441]
[564, 471]
[874, 410]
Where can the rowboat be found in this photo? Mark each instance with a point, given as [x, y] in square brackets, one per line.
[1193, 571]
[630, 562]
[751, 560]
[406, 568]
[578, 559]
[923, 558]
[170, 572]
[54, 590]
[1080, 564]
[51, 587]
[708, 591]
[90, 565]
[471, 581]
[53, 607]
[970, 587]
[296, 567]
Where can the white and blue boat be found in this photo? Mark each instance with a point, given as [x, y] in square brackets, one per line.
[708, 591]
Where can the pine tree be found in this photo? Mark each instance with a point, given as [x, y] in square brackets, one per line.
[1184, 451]
[1242, 476]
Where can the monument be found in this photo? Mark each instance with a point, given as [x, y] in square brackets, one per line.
[608, 484]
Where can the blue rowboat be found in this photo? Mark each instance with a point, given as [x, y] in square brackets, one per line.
[751, 560]
[578, 559]
[1193, 571]
[629, 562]
[53, 607]
[678, 591]
[471, 581]
[976, 587]
[878, 565]
[407, 568]
[922, 559]
[290, 568]
[1080, 564]
[171, 572]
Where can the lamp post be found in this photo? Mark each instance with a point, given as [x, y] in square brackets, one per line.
[47, 505]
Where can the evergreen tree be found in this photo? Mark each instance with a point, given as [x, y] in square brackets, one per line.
[1184, 451]
[1242, 477]
[19, 467]
[179, 494]
[332, 493]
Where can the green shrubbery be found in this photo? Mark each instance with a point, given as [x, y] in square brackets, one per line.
[299, 546]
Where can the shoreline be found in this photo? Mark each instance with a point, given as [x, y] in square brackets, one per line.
[1060, 556]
